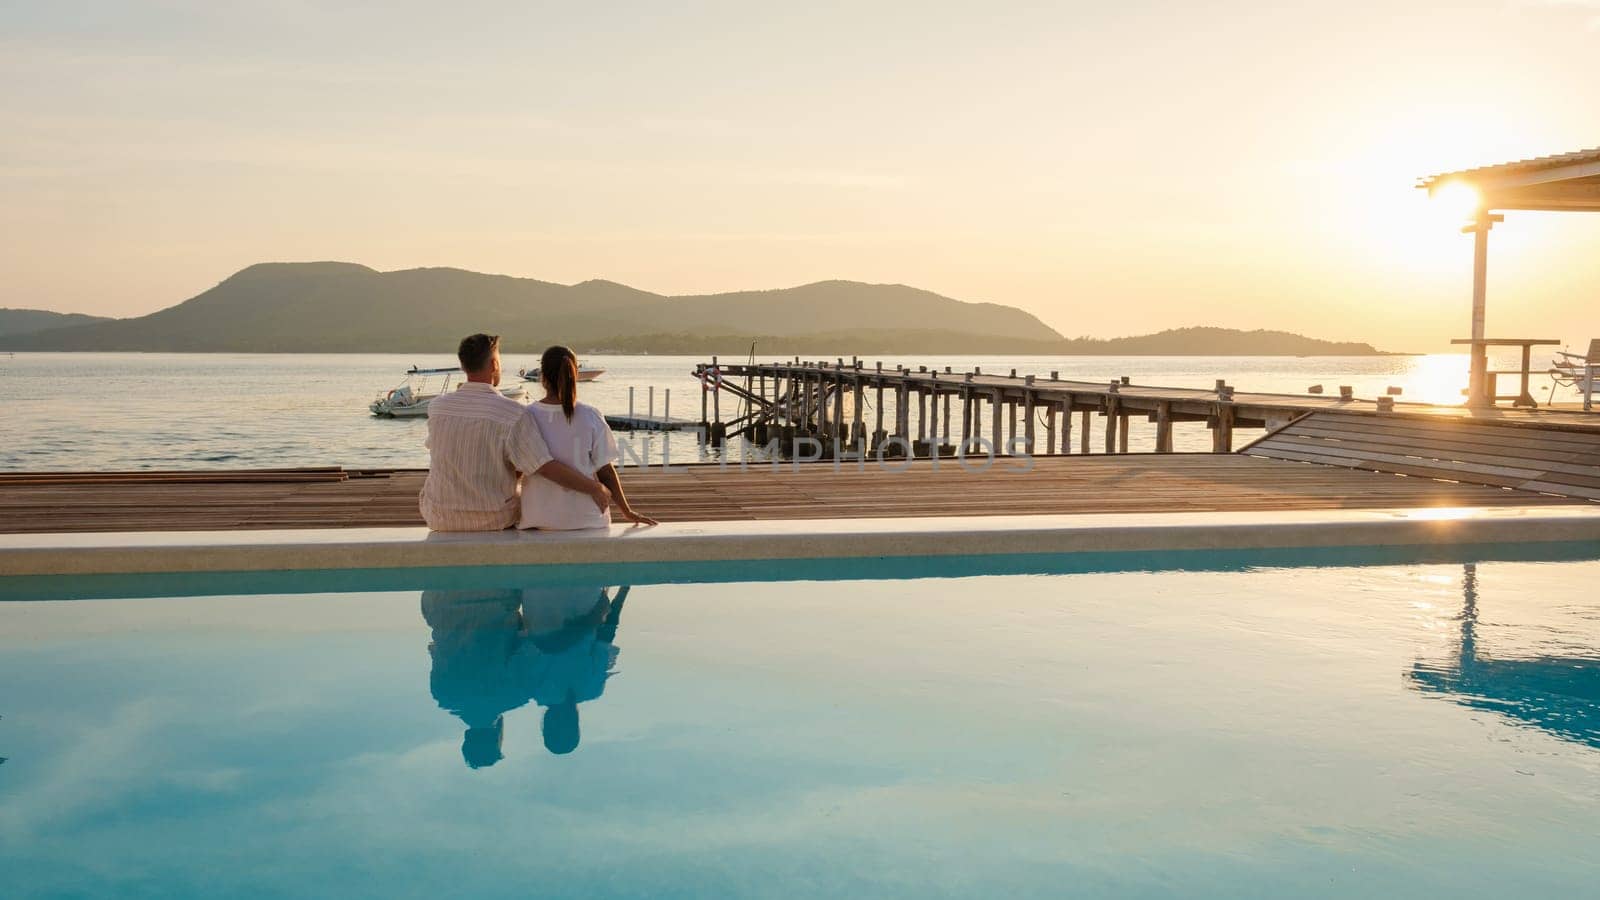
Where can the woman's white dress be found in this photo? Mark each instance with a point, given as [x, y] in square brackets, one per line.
[584, 443]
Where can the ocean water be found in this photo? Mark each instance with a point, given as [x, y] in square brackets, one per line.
[74, 411]
[1392, 730]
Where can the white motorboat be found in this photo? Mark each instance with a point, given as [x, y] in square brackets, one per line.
[410, 400]
[584, 373]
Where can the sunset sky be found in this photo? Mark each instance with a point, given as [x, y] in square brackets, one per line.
[1112, 168]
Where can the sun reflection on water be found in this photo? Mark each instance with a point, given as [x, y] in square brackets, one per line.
[1436, 378]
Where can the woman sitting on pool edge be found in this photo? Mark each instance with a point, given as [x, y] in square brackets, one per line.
[577, 434]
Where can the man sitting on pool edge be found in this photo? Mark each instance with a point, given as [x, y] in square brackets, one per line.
[480, 445]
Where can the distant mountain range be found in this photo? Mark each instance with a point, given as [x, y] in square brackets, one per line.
[28, 321]
[343, 307]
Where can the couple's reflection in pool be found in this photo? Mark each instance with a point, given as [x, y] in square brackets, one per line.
[495, 651]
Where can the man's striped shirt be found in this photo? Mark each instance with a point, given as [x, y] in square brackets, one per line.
[480, 444]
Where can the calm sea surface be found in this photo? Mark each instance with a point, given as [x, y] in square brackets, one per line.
[76, 411]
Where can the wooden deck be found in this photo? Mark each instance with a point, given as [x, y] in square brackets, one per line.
[1485, 452]
[329, 498]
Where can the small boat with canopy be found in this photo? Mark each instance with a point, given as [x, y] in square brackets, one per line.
[410, 400]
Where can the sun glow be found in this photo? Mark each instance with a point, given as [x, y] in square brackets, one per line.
[1367, 199]
[1460, 202]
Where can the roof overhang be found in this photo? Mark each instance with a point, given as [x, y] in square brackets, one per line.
[1567, 182]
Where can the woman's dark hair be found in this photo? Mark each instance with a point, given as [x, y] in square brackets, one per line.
[558, 369]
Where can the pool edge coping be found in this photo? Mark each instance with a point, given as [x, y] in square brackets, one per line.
[117, 553]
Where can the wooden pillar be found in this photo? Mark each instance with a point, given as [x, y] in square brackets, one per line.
[1011, 414]
[805, 401]
[922, 414]
[1164, 426]
[716, 395]
[966, 415]
[1027, 421]
[1122, 433]
[825, 401]
[1049, 427]
[1083, 433]
[818, 408]
[705, 412]
[877, 386]
[858, 396]
[945, 420]
[1111, 424]
[996, 401]
[902, 411]
[1478, 393]
[1222, 434]
[1066, 425]
[839, 404]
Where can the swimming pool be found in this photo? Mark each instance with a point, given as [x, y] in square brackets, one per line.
[1365, 724]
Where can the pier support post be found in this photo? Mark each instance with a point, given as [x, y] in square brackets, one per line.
[1083, 433]
[1111, 424]
[878, 434]
[802, 404]
[839, 404]
[902, 412]
[1222, 433]
[996, 401]
[858, 439]
[1122, 433]
[718, 431]
[922, 415]
[944, 421]
[1164, 427]
[1479, 393]
[1066, 425]
[966, 417]
[1027, 422]
[1049, 428]
[705, 413]
[824, 405]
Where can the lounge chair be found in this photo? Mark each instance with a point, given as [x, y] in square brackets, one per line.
[1575, 371]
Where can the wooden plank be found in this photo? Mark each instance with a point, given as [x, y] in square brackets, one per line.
[1451, 469]
[1523, 458]
[1444, 456]
[1425, 445]
[1456, 432]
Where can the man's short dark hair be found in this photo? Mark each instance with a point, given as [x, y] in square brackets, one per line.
[475, 351]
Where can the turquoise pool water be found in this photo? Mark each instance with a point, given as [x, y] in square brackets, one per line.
[1411, 728]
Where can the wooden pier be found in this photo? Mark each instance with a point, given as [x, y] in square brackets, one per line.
[923, 411]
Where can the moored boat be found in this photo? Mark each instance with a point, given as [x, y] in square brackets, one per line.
[410, 400]
[584, 373]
